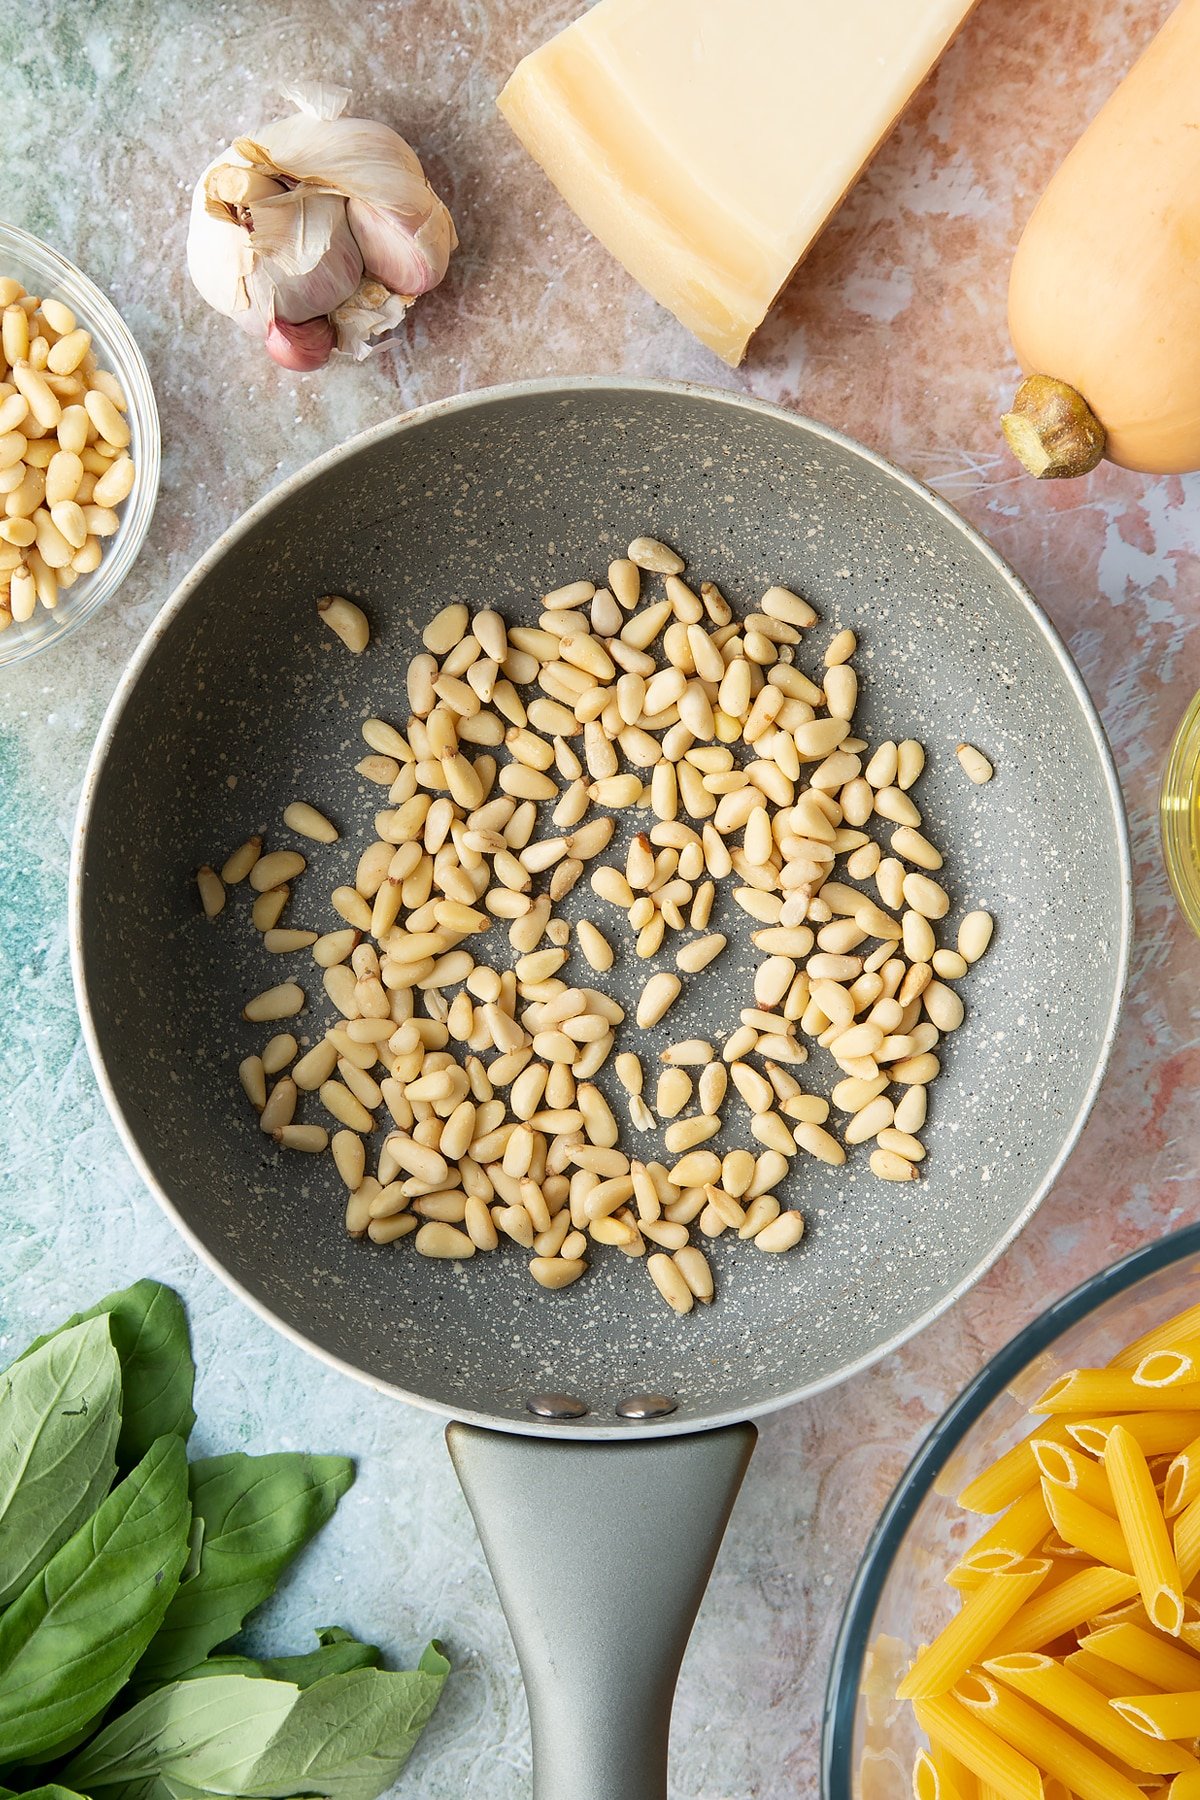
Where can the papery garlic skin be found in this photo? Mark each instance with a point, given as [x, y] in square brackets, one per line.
[318, 232]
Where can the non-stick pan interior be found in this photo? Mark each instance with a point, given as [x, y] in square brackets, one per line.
[243, 702]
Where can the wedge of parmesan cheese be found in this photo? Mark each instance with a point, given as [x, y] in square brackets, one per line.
[706, 142]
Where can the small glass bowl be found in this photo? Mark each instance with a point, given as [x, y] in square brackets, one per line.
[42, 271]
[900, 1598]
[1179, 815]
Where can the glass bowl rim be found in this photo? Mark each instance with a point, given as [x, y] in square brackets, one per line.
[842, 1690]
[1176, 800]
[99, 314]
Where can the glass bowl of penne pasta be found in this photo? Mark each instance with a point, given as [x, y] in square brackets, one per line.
[1025, 1624]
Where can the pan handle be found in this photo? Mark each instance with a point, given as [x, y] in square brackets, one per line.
[601, 1554]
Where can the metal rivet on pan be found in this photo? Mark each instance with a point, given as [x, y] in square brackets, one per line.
[646, 1406]
[555, 1406]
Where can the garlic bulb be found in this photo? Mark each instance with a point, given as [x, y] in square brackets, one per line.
[319, 232]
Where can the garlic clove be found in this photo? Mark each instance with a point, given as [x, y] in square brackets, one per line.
[219, 259]
[306, 251]
[408, 262]
[303, 347]
[229, 187]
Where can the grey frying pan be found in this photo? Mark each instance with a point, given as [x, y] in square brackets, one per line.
[239, 701]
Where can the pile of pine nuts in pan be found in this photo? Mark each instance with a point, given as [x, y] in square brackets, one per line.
[745, 770]
[64, 453]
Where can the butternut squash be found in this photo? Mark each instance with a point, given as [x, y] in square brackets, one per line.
[1104, 299]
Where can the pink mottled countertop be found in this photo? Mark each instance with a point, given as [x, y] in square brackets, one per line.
[892, 331]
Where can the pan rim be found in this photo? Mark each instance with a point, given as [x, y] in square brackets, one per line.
[480, 398]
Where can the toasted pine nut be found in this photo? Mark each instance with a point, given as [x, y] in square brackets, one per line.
[911, 1109]
[311, 1138]
[820, 1143]
[279, 942]
[443, 1241]
[915, 1071]
[276, 868]
[252, 1076]
[243, 859]
[975, 764]
[693, 1265]
[595, 946]
[278, 1052]
[281, 1002]
[841, 649]
[943, 1005]
[309, 823]
[974, 935]
[212, 890]
[874, 1117]
[890, 1167]
[915, 848]
[557, 1271]
[649, 553]
[761, 1210]
[926, 897]
[782, 1233]
[910, 760]
[669, 1279]
[657, 998]
[673, 1092]
[346, 620]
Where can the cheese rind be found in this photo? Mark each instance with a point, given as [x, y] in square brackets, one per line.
[706, 142]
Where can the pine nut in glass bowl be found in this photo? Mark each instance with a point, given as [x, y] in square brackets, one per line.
[1057, 1695]
[80, 306]
[1179, 815]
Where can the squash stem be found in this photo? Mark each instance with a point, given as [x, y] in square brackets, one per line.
[1051, 430]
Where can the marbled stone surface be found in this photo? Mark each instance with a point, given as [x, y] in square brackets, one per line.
[894, 330]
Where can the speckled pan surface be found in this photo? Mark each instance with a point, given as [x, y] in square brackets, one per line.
[239, 701]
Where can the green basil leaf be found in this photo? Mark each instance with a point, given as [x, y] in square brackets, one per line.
[51, 1791]
[348, 1736]
[207, 1734]
[60, 1414]
[338, 1654]
[150, 1334]
[257, 1513]
[70, 1639]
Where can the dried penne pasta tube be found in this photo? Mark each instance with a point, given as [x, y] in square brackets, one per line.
[1066, 1466]
[1186, 1786]
[1067, 1697]
[1051, 1748]
[1140, 1517]
[1011, 1476]
[964, 1640]
[1166, 1368]
[948, 1723]
[1178, 1330]
[1130, 1612]
[1159, 1433]
[1096, 1533]
[1017, 1532]
[1113, 1391]
[1144, 1655]
[1050, 1615]
[928, 1782]
[1187, 1543]
[1163, 1715]
[1107, 1678]
[1182, 1485]
[953, 1775]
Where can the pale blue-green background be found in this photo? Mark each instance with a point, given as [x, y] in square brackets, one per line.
[107, 113]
